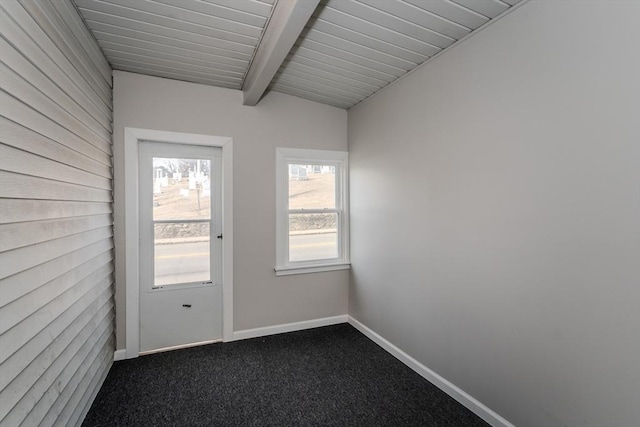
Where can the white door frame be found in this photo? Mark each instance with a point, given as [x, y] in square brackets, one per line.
[132, 137]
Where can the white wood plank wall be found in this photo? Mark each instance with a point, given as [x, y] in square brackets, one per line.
[56, 247]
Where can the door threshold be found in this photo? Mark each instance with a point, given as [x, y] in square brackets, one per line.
[178, 347]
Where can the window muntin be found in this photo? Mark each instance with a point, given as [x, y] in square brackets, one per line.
[312, 224]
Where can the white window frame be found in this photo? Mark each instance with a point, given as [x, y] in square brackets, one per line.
[339, 159]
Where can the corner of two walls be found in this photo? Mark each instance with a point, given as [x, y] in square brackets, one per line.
[494, 214]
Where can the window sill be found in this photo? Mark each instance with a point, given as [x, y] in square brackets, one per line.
[287, 271]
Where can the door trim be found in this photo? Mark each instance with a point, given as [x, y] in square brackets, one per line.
[178, 347]
[132, 137]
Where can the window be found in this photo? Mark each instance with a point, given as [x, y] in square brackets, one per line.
[312, 217]
[179, 211]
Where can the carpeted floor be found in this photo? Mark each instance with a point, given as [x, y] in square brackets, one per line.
[330, 376]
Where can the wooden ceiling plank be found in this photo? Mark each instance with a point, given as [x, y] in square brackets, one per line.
[310, 96]
[357, 49]
[391, 22]
[315, 71]
[159, 30]
[339, 71]
[334, 82]
[452, 12]
[340, 63]
[488, 8]
[181, 15]
[171, 75]
[311, 85]
[177, 68]
[317, 92]
[367, 41]
[420, 17]
[151, 59]
[143, 18]
[109, 41]
[373, 30]
[217, 11]
[108, 32]
[353, 58]
[250, 6]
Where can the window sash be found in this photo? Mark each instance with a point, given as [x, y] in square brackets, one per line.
[339, 160]
[337, 191]
[339, 237]
[313, 211]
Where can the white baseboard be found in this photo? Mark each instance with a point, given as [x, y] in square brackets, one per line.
[289, 327]
[119, 355]
[451, 389]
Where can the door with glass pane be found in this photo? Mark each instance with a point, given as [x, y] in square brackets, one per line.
[180, 245]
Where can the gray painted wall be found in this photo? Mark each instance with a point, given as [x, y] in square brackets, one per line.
[495, 198]
[260, 298]
[56, 295]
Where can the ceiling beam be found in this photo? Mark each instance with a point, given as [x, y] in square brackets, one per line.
[287, 22]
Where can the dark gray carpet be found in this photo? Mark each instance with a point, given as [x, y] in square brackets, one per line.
[330, 376]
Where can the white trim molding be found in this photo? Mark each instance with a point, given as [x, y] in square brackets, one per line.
[287, 21]
[119, 355]
[448, 387]
[289, 327]
[287, 271]
[132, 137]
[179, 347]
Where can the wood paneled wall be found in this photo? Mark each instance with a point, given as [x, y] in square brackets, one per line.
[56, 260]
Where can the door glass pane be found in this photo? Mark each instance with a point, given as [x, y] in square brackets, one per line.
[182, 253]
[181, 188]
[313, 236]
[312, 186]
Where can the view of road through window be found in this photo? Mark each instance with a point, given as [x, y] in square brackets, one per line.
[313, 235]
[182, 194]
[182, 220]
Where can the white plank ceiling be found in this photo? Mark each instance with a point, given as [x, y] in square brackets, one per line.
[348, 50]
